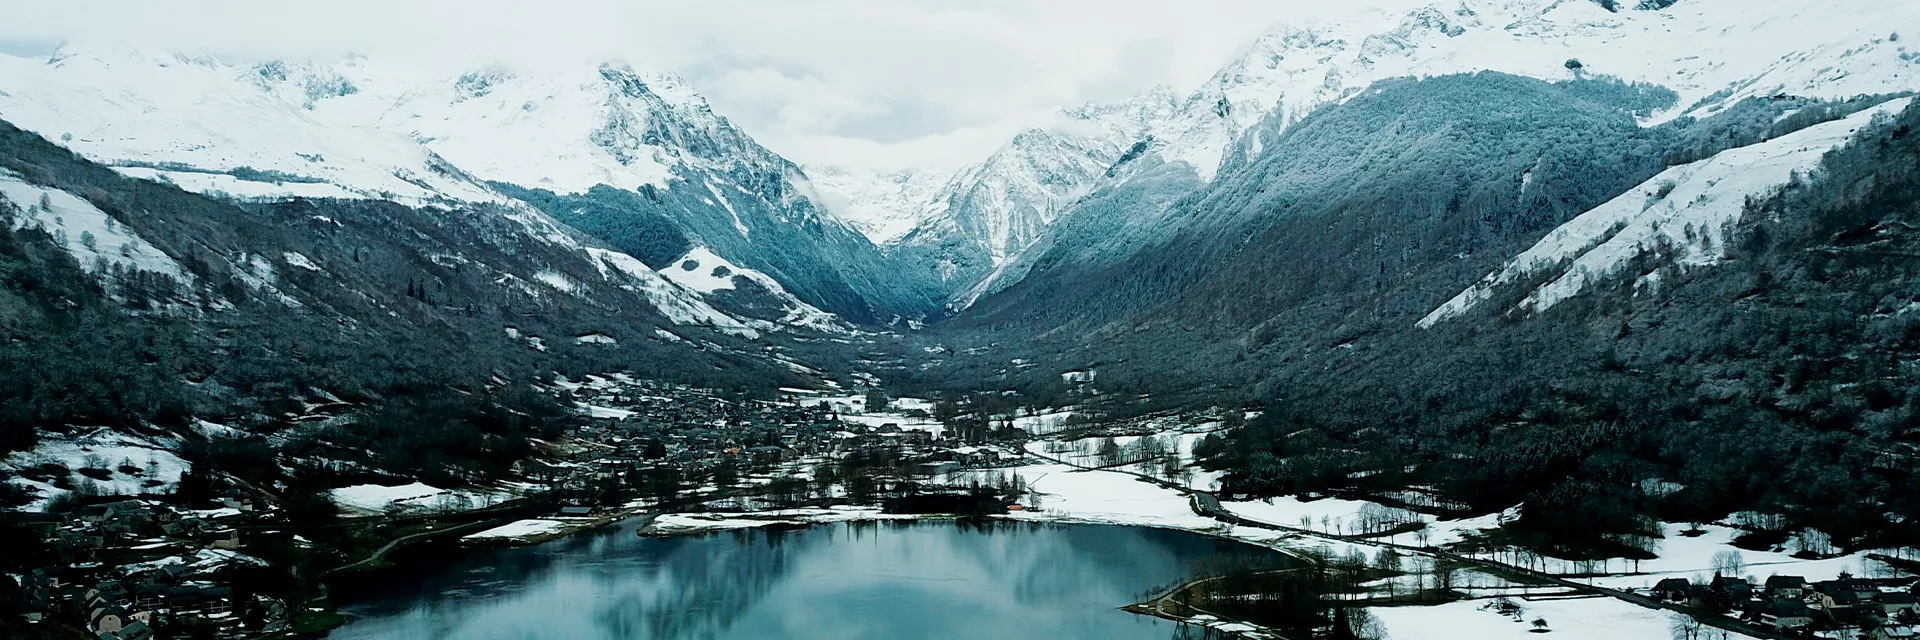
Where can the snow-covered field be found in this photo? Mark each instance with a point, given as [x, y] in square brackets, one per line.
[1679, 555]
[1333, 515]
[1682, 556]
[529, 529]
[1568, 619]
[373, 499]
[158, 468]
[1043, 424]
[1067, 494]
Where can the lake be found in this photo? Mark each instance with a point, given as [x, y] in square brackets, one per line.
[926, 580]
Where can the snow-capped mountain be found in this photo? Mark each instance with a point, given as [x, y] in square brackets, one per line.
[1509, 155]
[991, 211]
[663, 172]
[1713, 53]
[882, 204]
[213, 128]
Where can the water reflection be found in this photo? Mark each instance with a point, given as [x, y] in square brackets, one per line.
[855, 580]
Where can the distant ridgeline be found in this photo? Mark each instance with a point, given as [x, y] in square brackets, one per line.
[1755, 359]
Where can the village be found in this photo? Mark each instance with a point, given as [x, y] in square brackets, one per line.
[664, 439]
[1876, 609]
[157, 565]
[122, 569]
[690, 460]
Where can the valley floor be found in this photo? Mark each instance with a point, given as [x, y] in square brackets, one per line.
[1504, 592]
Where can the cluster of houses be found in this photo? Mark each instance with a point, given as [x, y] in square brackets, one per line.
[1792, 603]
[120, 570]
[642, 424]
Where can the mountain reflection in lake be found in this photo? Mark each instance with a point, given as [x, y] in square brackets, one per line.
[843, 581]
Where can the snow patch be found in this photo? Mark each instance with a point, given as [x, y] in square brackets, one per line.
[373, 497]
[530, 528]
[297, 259]
[706, 272]
[676, 303]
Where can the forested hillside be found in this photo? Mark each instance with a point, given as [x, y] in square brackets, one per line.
[432, 322]
[1780, 381]
[1354, 222]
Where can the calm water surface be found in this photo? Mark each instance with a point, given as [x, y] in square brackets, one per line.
[842, 581]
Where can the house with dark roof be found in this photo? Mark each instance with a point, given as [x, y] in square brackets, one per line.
[1844, 594]
[1735, 593]
[1786, 587]
[1672, 590]
[36, 602]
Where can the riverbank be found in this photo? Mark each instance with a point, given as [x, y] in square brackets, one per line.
[684, 524]
[1596, 602]
[1081, 494]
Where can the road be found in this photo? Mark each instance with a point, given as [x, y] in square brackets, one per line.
[396, 542]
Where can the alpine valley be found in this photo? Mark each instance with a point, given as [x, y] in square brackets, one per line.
[1564, 298]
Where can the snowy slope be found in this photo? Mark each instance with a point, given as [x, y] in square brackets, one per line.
[579, 133]
[200, 124]
[565, 131]
[94, 238]
[1725, 50]
[1685, 209]
[533, 130]
[704, 271]
[678, 304]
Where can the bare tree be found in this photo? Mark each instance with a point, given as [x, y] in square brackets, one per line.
[1729, 563]
[1685, 627]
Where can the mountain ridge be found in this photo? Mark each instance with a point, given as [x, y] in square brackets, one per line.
[1773, 47]
[352, 128]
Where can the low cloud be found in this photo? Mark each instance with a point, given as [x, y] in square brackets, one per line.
[883, 83]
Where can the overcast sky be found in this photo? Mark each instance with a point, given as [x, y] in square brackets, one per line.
[867, 82]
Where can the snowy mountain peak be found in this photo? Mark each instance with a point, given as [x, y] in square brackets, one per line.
[883, 205]
[1131, 116]
[359, 128]
[1711, 52]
